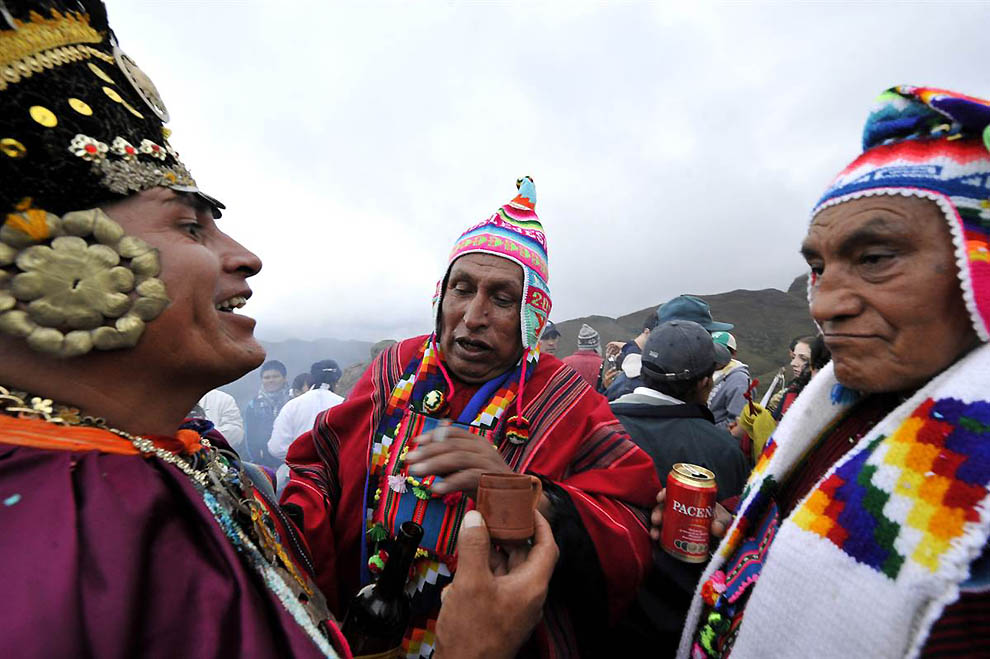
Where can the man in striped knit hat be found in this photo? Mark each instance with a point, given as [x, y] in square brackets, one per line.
[587, 361]
[863, 529]
[387, 455]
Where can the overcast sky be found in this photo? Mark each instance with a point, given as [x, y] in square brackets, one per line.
[676, 147]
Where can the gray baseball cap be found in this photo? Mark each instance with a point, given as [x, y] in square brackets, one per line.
[682, 350]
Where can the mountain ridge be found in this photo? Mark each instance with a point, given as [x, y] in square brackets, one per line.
[765, 321]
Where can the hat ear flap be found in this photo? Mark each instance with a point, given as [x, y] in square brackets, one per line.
[534, 310]
[438, 301]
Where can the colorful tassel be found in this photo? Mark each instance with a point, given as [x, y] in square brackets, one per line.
[377, 562]
[517, 430]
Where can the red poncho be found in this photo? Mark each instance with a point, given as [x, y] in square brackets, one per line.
[599, 481]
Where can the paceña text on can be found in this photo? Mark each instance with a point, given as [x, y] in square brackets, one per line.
[702, 512]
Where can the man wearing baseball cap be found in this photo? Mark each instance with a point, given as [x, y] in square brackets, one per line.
[729, 386]
[668, 416]
[669, 419]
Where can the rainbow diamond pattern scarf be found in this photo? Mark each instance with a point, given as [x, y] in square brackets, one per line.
[415, 406]
[868, 560]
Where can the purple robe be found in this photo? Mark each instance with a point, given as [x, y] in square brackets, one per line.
[117, 556]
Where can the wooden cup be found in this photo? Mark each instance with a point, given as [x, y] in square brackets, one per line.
[507, 502]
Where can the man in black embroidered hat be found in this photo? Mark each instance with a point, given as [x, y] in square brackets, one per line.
[118, 294]
[127, 531]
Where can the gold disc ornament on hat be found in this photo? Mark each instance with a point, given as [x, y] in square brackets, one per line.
[81, 107]
[100, 73]
[12, 148]
[43, 116]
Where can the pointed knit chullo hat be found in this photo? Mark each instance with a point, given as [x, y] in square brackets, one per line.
[934, 144]
[513, 232]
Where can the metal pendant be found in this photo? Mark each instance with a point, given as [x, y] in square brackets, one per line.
[141, 83]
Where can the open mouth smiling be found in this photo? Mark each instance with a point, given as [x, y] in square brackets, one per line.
[231, 304]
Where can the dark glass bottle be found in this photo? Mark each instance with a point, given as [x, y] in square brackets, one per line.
[379, 614]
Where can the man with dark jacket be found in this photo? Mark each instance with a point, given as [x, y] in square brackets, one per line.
[668, 418]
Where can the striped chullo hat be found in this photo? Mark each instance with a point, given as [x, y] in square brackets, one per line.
[933, 144]
[512, 232]
[588, 338]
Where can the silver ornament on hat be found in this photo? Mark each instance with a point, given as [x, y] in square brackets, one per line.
[141, 83]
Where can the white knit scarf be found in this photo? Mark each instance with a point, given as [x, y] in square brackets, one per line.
[815, 599]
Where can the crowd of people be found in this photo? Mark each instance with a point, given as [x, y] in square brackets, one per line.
[852, 515]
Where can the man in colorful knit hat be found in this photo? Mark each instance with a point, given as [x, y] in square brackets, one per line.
[434, 412]
[863, 529]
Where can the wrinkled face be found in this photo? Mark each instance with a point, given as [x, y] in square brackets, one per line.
[886, 293]
[549, 346]
[272, 380]
[205, 271]
[479, 329]
[801, 358]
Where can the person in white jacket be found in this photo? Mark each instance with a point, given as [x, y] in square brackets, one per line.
[298, 415]
[221, 408]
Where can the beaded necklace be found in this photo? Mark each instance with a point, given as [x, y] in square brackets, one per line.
[228, 492]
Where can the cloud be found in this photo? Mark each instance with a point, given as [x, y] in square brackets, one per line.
[675, 147]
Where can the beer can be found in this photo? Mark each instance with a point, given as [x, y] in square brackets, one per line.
[688, 512]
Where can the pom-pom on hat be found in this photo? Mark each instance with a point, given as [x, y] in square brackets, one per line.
[933, 144]
[513, 232]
